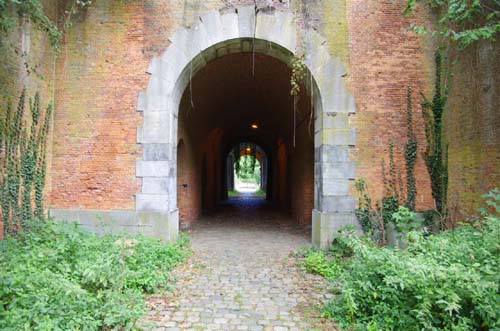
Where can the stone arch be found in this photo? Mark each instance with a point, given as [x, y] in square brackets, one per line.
[242, 30]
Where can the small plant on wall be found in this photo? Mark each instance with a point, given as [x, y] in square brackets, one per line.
[23, 162]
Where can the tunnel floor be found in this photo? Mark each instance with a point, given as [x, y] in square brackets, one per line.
[251, 213]
[242, 275]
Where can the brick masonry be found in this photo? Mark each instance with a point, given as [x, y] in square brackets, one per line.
[102, 68]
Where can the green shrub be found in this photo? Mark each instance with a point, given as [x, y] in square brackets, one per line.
[59, 277]
[317, 262]
[447, 281]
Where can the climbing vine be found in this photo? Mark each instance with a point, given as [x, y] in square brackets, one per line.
[433, 155]
[23, 162]
[410, 155]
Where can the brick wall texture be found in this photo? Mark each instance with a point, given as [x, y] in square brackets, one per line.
[102, 66]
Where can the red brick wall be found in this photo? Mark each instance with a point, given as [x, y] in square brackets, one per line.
[101, 70]
[384, 57]
[302, 175]
[99, 74]
[188, 184]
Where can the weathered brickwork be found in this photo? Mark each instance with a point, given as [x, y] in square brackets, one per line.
[99, 72]
[384, 57]
[101, 69]
[472, 127]
[301, 179]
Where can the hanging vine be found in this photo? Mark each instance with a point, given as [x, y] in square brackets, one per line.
[410, 154]
[23, 163]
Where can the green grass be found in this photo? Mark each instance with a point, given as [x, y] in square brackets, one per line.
[59, 277]
[258, 193]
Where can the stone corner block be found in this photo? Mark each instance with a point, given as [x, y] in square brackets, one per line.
[325, 225]
[151, 202]
[152, 168]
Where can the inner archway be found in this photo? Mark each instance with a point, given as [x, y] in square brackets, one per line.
[273, 34]
[239, 107]
[246, 169]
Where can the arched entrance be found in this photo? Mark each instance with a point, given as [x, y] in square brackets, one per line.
[239, 32]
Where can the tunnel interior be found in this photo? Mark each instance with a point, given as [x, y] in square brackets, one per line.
[240, 105]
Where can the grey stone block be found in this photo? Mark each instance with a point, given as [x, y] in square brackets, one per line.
[65, 215]
[325, 225]
[335, 120]
[182, 40]
[156, 102]
[176, 61]
[141, 101]
[334, 170]
[213, 26]
[230, 25]
[340, 137]
[264, 26]
[152, 168]
[163, 225]
[151, 202]
[153, 134]
[246, 21]
[330, 153]
[155, 185]
[284, 32]
[157, 152]
[334, 187]
[337, 204]
[153, 118]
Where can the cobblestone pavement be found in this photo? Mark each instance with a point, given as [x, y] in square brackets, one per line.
[241, 276]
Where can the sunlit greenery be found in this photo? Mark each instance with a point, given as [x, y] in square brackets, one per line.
[249, 169]
[461, 21]
[59, 277]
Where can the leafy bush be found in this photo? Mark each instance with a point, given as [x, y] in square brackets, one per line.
[447, 281]
[318, 263]
[59, 277]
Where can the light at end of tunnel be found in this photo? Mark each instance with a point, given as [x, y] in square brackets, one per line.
[248, 149]
[254, 126]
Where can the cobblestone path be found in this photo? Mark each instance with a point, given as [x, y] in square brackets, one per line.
[241, 276]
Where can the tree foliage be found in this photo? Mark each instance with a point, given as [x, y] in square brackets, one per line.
[461, 21]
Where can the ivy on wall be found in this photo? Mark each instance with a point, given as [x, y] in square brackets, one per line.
[410, 151]
[434, 155]
[23, 162]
